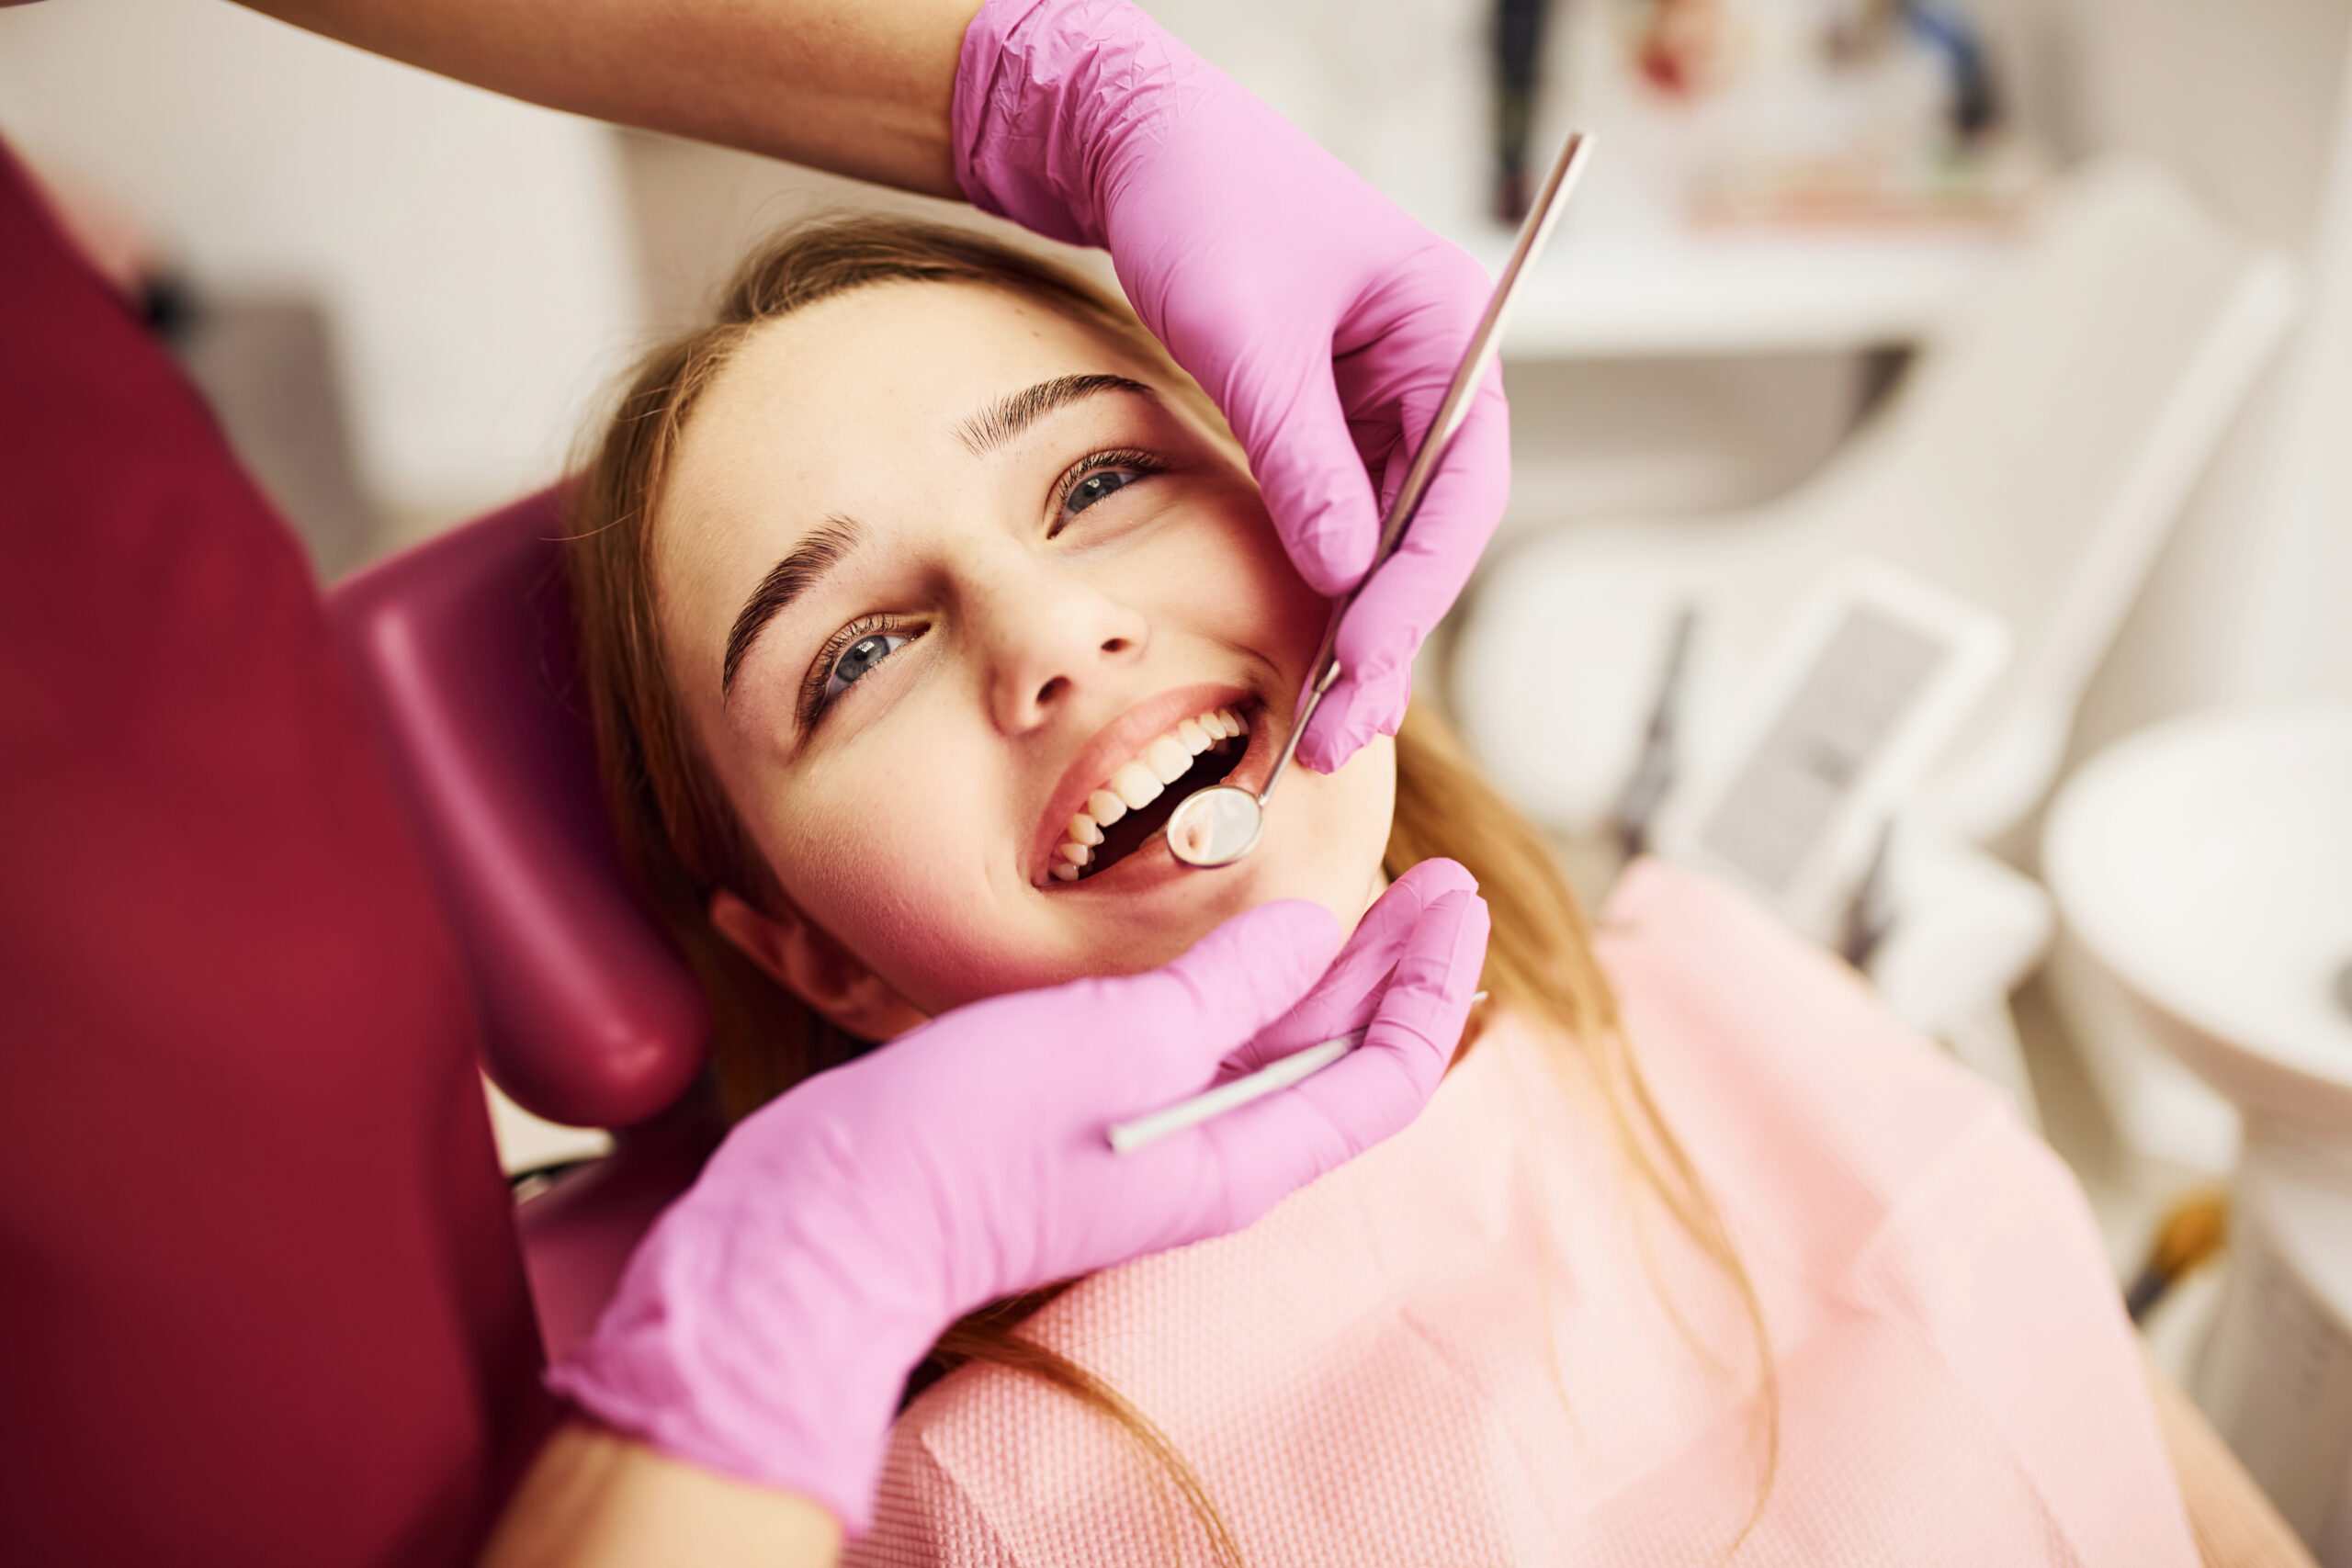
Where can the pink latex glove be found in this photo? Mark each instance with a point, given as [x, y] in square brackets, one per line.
[1324, 321]
[766, 1328]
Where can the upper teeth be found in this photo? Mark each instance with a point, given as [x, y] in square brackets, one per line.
[1140, 782]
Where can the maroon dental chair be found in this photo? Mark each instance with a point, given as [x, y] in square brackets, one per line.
[462, 649]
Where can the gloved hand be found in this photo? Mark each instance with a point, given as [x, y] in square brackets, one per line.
[1323, 321]
[766, 1327]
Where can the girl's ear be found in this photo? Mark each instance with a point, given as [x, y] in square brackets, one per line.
[803, 960]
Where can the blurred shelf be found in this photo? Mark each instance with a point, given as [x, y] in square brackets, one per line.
[1595, 297]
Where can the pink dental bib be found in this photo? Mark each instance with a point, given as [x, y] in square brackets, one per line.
[1483, 1342]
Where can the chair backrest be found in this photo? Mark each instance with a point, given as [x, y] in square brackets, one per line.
[2032, 464]
[463, 649]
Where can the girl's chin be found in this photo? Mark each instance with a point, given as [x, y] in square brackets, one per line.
[1126, 926]
[1133, 925]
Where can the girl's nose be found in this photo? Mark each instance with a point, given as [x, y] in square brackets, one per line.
[1048, 636]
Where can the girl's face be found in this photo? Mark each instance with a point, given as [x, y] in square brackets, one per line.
[936, 568]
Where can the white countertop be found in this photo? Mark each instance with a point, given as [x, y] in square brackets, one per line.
[1667, 293]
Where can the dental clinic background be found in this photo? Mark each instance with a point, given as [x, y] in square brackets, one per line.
[480, 267]
[1840, 265]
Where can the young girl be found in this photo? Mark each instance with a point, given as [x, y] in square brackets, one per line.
[913, 591]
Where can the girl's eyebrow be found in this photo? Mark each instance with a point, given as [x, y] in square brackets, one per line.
[802, 567]
[1008, 416]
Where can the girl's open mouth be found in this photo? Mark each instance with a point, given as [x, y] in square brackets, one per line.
[1128, 810]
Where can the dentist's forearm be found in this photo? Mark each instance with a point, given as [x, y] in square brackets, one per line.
[595, 1499]
[861, 87]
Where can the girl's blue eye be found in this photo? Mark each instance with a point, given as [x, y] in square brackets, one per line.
[1095, 486]
[860, 657]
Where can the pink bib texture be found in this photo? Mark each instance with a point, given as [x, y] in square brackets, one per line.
[1486, 1342]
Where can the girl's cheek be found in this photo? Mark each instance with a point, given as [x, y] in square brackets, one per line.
[1224, 575]
[1267, 592]
[903, 882]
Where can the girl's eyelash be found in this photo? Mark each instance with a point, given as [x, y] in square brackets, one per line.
[813, 706]
[1133, 457]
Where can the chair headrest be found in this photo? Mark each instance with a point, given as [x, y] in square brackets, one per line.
[463, 651]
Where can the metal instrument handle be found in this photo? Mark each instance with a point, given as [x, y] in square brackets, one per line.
[1485, 344]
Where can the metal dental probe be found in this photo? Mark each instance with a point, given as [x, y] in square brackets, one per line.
[1127, 1137]
[1219, 824]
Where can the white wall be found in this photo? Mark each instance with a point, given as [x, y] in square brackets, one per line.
[1397, 88]
[2252, 103]
[2239, 96]
[2308, 646]
[473, 249]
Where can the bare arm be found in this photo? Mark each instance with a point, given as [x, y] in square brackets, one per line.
[597, 1500]
[2234, 1524]
[861, 87]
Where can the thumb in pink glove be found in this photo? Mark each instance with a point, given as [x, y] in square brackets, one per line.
[1324, 323]
[1382, 952]
[766, 1326]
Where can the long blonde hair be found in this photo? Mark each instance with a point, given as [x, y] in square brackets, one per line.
[685, 842]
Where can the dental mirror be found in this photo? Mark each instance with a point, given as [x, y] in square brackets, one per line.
[1219, 824]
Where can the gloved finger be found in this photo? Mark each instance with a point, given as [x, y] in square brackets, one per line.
[1312, 477]
[1409, 594]
[1395, 356]
[1141, 1041]
[1263, 1151]
[1350, 991]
